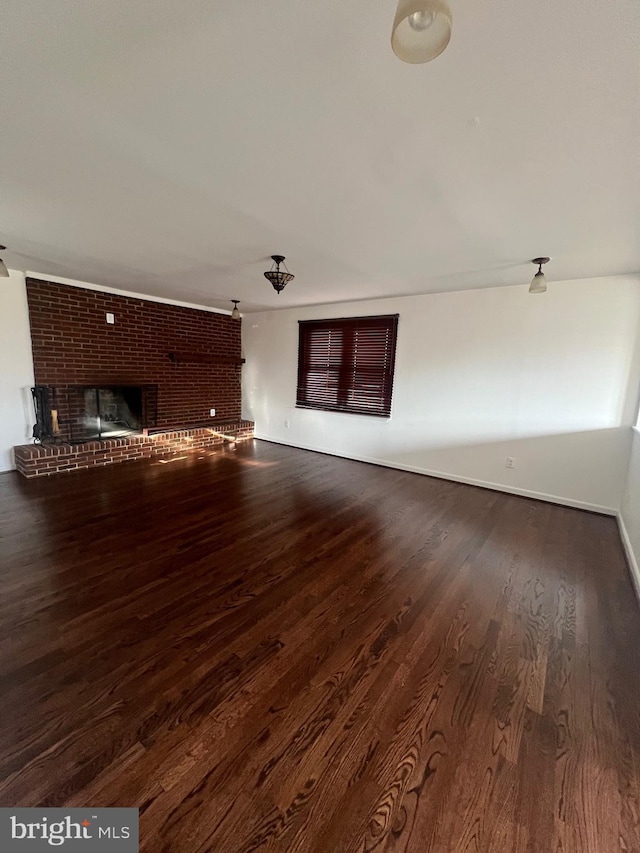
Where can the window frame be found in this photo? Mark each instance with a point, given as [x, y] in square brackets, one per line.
[346, 385]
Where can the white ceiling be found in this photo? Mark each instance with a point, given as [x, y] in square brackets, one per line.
[170, 146]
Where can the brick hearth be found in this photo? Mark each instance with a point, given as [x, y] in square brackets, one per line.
[37, 460]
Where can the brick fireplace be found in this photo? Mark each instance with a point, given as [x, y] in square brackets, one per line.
[74, 345]
[91, 347]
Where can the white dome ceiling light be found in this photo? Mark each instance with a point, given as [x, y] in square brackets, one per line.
[421, 30]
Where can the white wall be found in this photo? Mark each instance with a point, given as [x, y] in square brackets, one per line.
[630, 511]
[480, 375]
[629, 515]
[16, 368]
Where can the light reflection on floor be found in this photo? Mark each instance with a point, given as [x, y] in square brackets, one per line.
[217, 452]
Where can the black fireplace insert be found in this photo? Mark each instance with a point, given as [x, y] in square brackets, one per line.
[111, 411]
[78, 413]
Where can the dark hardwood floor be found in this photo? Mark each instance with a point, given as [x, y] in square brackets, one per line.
[269, 649]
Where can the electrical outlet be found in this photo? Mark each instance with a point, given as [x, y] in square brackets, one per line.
[212, 412]
[287, 424]
[511, 462]
[111, 318]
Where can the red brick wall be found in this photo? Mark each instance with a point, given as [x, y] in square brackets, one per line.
[43, 460]
[74, 345]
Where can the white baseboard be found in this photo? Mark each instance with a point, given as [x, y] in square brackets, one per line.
[634, 569]
[456, 478]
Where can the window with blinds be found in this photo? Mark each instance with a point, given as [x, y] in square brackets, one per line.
[346, 365]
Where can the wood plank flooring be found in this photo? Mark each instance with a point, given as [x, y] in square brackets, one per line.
[266, 649]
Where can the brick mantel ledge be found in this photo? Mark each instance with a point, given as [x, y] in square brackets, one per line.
[38, 460]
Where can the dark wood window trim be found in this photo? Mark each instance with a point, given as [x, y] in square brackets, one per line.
[347, 364]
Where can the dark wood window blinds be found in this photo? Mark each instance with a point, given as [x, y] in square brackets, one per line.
[346, 365]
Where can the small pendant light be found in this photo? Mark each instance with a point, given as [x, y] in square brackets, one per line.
[235, 314]
[539, 282]
[278, 279]
[4, 272]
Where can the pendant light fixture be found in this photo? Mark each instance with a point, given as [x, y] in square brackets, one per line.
[421, 30]
[235, 314]
[278, 279]
[4, 272]
[539, 282]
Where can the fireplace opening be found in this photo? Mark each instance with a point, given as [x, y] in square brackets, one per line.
[111, 411]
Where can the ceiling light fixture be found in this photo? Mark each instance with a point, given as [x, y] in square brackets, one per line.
[4, 272]
[235, 314]
[421, 30]
[539, 282]
[278, 279]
